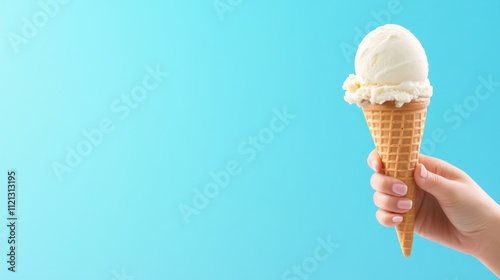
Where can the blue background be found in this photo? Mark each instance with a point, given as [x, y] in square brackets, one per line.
[117, 213]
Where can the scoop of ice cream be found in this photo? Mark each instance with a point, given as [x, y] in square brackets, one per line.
[390, 65]
[390, 55]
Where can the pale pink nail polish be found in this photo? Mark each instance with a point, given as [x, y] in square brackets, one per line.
[374, 165]
[423, 171]
[399, 189]
[397, 219]
[405, 204]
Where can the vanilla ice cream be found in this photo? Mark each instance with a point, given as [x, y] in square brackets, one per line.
[390, 65]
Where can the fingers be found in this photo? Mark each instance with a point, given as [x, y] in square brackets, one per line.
[388, 219]
[389, 194]
[437, 177]
[374, 161]
[388, 185]
[392, 203]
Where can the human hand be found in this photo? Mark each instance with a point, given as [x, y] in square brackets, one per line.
[451, 209]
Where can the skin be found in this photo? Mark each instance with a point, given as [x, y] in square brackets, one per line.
[451, 209]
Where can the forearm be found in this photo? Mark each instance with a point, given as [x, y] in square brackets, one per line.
[489, 254]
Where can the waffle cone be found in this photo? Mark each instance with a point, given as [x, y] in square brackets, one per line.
[397, 133]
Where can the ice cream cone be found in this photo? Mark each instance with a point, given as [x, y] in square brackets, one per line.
[397, 133]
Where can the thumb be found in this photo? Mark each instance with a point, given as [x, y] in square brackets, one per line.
[443, 189]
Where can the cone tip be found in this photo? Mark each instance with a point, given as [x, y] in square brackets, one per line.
[407, 253]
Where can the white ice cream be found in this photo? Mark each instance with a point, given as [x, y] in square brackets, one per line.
[390, 65]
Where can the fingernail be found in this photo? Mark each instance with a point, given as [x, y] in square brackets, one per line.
[374, 165]
[423, 171]
[399, 189]
[397, 219]
[405, 204]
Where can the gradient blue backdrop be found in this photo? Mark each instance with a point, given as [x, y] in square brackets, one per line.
[117, 213]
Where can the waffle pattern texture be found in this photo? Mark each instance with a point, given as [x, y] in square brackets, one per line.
[397, 133]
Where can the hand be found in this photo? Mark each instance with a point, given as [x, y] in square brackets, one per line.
[450, 207]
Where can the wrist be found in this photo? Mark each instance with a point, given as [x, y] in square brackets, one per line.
[489, 250]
